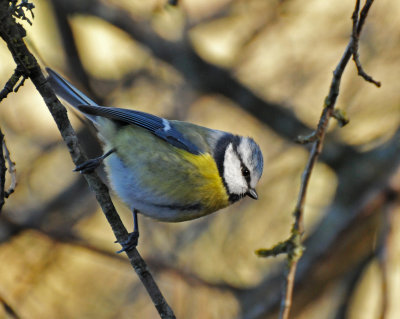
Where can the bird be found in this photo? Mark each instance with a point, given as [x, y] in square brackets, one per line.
[169, 170]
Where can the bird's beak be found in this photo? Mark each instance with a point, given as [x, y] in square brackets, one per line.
[252, 193]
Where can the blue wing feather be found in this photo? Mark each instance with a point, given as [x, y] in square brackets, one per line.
[154, 124]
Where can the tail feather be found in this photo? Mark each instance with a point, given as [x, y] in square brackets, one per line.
[67, 91]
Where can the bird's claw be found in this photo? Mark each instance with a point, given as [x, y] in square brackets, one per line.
[88, 166]
[130, 243]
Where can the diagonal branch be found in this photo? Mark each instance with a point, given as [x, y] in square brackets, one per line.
[12, 33]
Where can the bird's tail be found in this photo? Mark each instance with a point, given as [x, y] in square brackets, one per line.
[69, 93]
[66, 90]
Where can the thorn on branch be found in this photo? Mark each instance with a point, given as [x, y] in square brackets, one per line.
[341, 117]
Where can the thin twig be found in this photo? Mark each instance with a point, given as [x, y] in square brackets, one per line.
[11, 170]
[327, 113]
[2, 173]
[11, 83]
[357, 27]
[12, 33]
[294, 243]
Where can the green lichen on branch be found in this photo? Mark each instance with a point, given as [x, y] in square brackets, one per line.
[341, 117]
[306, 139]
[292, 247]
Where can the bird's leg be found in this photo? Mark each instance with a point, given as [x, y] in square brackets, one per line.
[90, 165]
[133, 237]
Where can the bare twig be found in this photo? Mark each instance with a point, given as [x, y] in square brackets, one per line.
[317, 138]
[5, 158]
[354, 225]
[12, 33]
[327, 113]
[2, 173]
[11, 83]
[11, 170]
[358, 23]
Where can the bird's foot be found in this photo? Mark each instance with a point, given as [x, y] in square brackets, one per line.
[90, 165]
[130, 243]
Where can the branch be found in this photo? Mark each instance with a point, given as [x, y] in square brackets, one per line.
[2, 173]
[317, 138]
[6, 157]
[12, 33]
[11, 170]
[11, 84]
[347, 233]
[358, 23]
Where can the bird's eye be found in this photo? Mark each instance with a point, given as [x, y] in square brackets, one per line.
[245, 171]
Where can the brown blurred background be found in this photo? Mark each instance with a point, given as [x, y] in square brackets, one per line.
[258, 68]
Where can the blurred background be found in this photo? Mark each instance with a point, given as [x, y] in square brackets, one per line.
[257, 68]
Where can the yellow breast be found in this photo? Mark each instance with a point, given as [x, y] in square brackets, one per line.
[211, 189]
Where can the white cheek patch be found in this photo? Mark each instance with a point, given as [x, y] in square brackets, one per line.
[245, 151]
[233, 173]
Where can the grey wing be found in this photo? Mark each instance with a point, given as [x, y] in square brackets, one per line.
[159, 126]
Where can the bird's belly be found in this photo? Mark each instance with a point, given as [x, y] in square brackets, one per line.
[146, 200]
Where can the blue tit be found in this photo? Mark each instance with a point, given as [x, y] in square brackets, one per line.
[169, 170]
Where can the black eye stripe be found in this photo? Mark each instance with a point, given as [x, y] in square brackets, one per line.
[243, 167]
